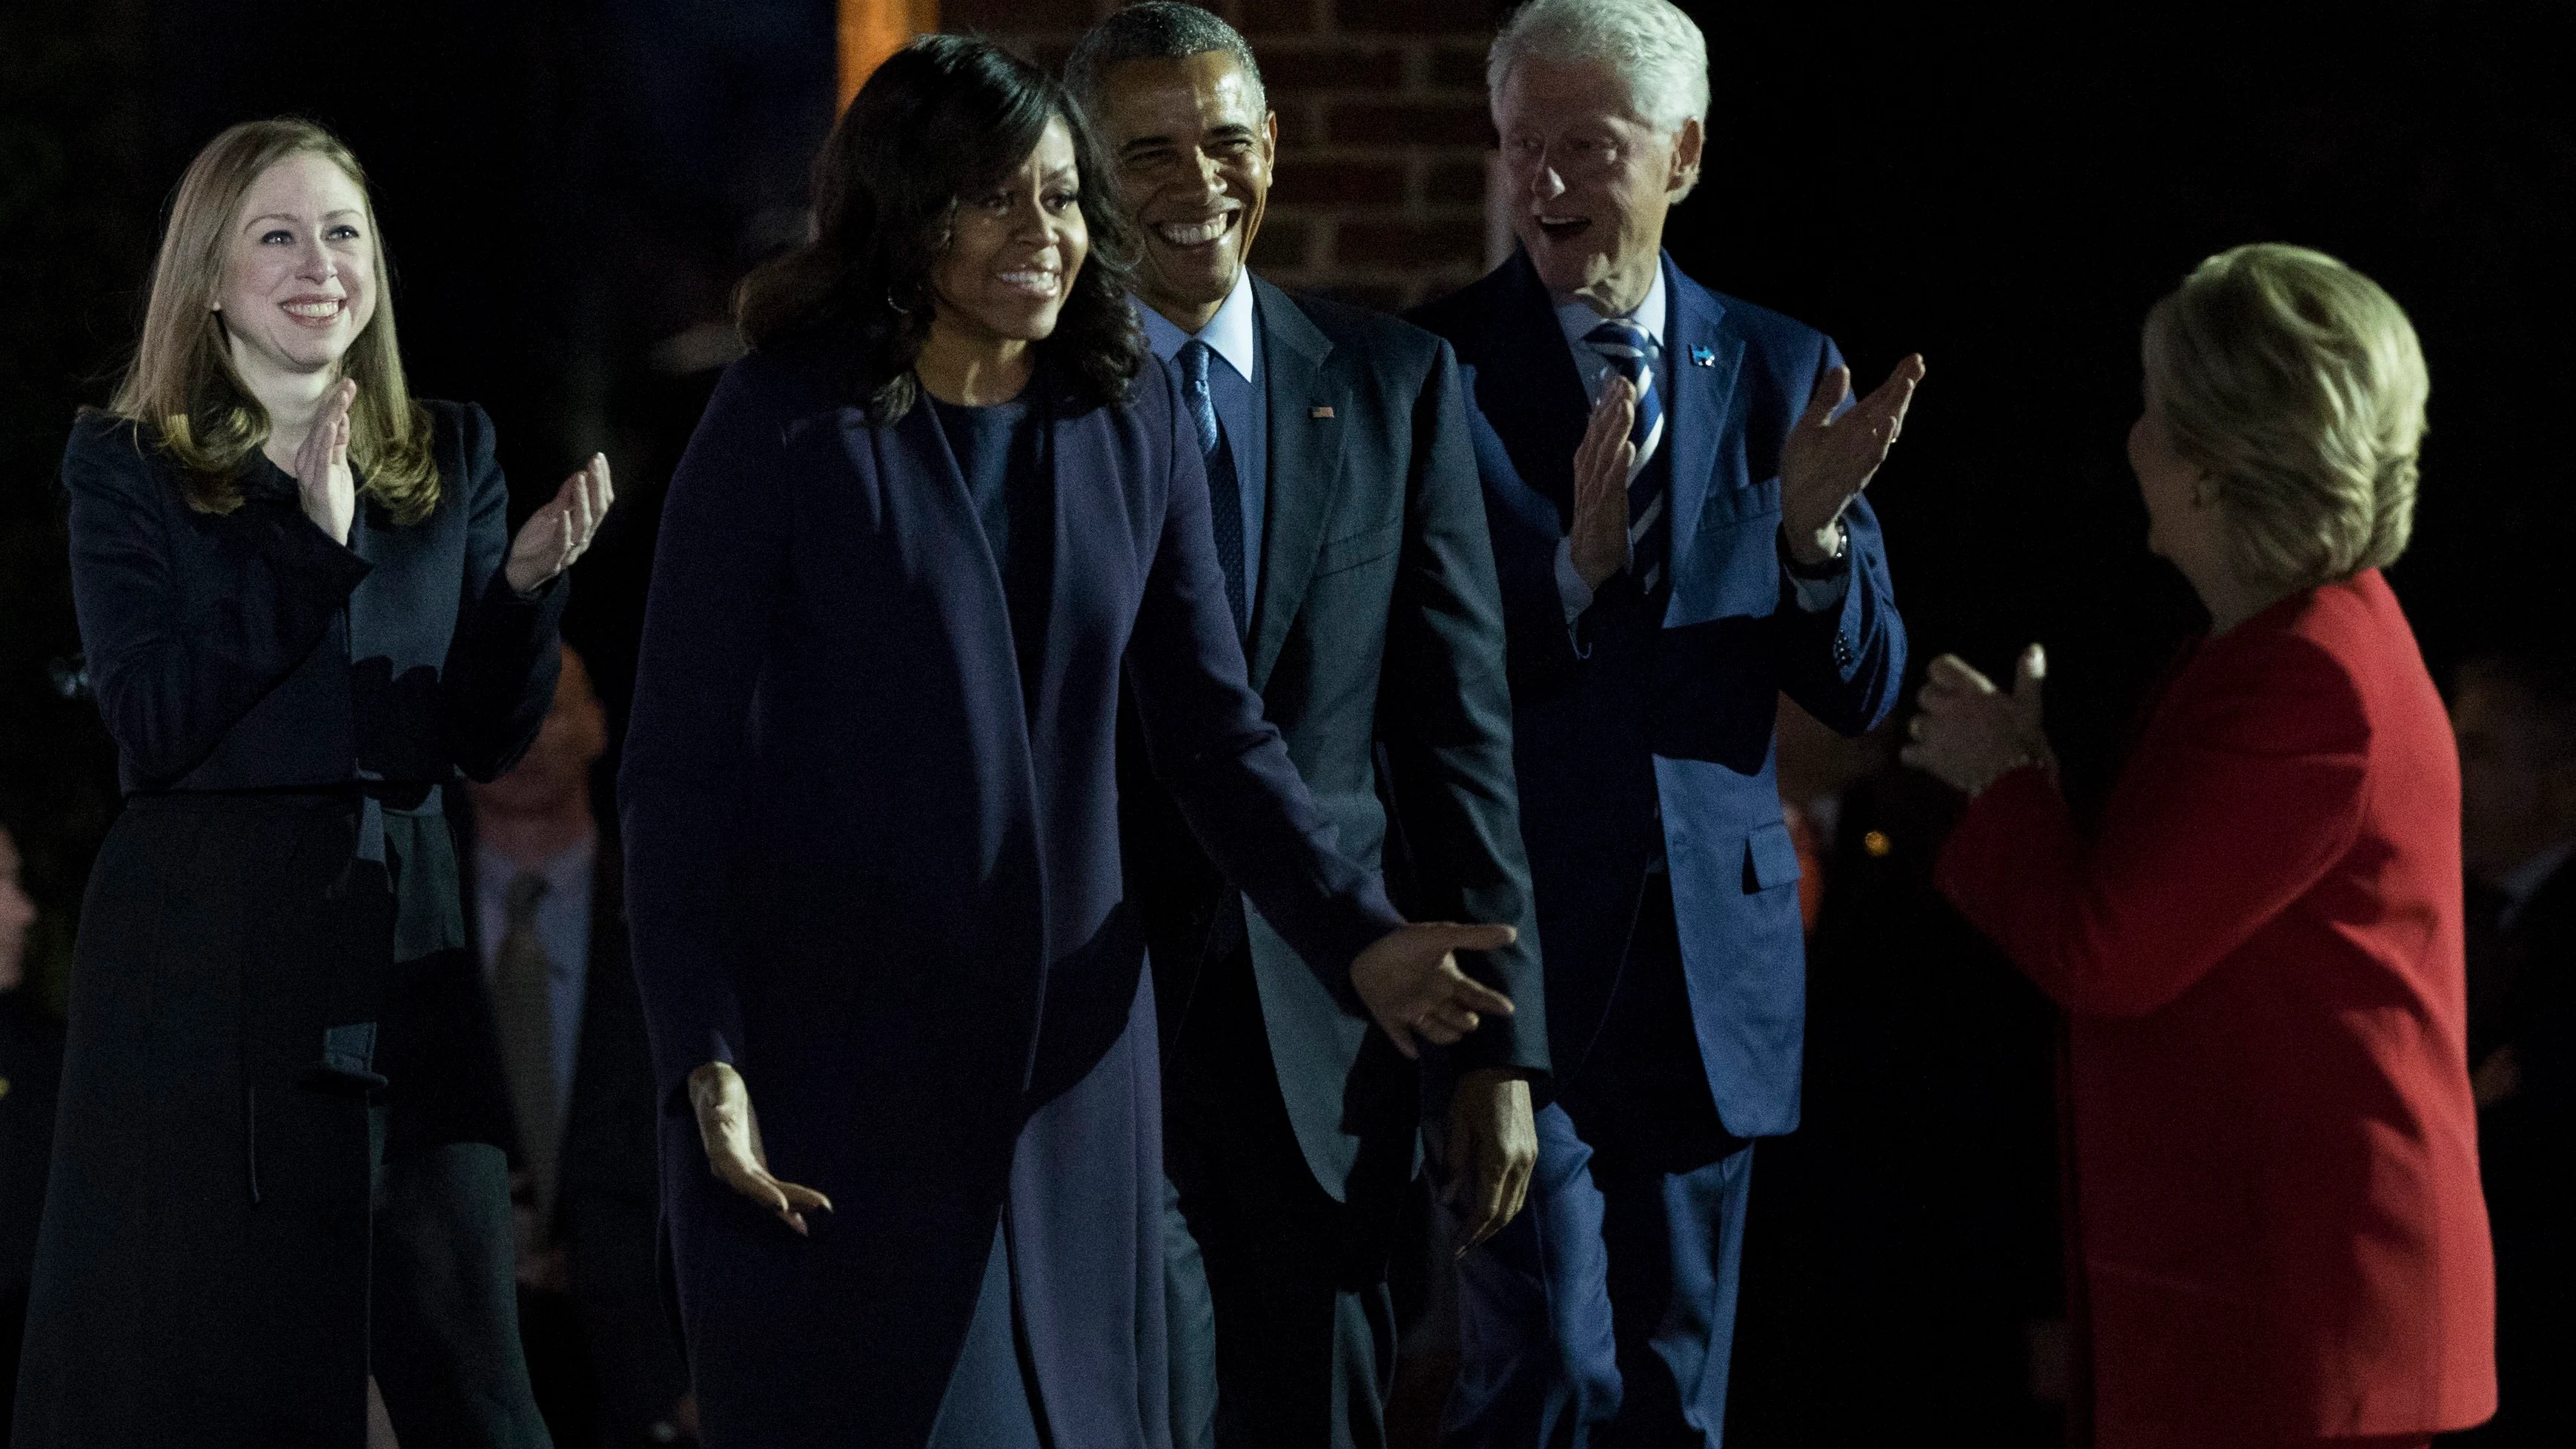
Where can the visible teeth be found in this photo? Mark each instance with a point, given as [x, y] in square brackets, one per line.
[1034, 281]
[316, 310]
[1191, 234]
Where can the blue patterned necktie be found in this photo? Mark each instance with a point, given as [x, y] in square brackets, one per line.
[1624, 345]
[1225, 491]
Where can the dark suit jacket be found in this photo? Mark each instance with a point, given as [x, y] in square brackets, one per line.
[607, 1197]
[1376, 637]
[873, 853]
[1656, 741]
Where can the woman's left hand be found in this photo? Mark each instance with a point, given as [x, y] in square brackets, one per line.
[1969, 734]
[556, 534]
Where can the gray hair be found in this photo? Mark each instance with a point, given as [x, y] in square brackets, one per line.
[1155, 30]
[1656, 50]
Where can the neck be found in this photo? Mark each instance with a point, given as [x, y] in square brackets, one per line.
[529, 841]
[289, 398]
[973, 369]
[2230, 600]
[1619, 291]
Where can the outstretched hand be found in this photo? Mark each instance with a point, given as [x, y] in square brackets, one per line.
[730, 1131]
[1410, 981]
[556, 534]
[1827, 461]
[1969, 734]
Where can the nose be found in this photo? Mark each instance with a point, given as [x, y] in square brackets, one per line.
[1545, 182]
[318, 263]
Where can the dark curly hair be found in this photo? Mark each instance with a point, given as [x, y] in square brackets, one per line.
[943, 116]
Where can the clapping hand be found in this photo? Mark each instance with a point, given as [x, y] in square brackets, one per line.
[1827, 461]
[1410, 981]
[1601, 463]
[730, 1131]
[556, 534]
[323, 482]
[1969, 734]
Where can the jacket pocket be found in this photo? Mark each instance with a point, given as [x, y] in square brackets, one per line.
[1770, 858]
[1364, 547]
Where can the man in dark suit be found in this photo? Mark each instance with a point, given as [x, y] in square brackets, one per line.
[1349, 525]
[1680, 539]
[2514, 713]
[545, 910]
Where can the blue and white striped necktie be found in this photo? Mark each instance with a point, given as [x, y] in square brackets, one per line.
[1626, 347]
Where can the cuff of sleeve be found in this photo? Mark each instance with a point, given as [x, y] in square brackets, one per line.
[1818, 588]
[298, 544]
[1571, 590]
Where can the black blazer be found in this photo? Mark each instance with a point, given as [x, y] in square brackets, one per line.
[1377, 648]
[608, 1193]
[247, 651]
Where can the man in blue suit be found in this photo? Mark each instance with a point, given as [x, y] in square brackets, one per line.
[1680, 538]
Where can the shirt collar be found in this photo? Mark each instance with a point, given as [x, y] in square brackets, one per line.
[564, 871]
[1229, 334]
[1653, 313]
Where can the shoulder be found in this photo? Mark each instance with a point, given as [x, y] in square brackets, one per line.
[2289, 681]
[1773, 340]
[1375, 337]
[111, 455]
[461, 432]
[1463, 315]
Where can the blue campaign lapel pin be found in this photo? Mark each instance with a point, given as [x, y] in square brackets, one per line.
[1703, 357]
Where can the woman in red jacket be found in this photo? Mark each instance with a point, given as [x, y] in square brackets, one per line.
[2278, 1224]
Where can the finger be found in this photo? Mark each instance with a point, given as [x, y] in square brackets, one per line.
[1956, 673]
[2030, 675]
[1490, 1189]
[1476, 936]
[1831, 389]
[603, 493]
[1448, 1016]
[1462, 992]
[1437, 1031]
[1403, 1038]
[803, 1199]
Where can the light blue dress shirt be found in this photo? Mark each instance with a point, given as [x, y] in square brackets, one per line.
[1242, 410]
[563, 928]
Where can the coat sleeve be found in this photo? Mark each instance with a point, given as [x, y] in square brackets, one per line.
[178, 661]
[502, 661]
[1445, 717]
[684, 794]
[2247, 789]
[1226, 765]
[1844, 665]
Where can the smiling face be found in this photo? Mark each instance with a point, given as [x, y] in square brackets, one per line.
[299, 280]
[1590, 179]
[2181, 523]
[1193, 148]
[1015, 247]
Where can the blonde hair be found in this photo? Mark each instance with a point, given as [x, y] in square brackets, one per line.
[2298, 387]
[182, 390]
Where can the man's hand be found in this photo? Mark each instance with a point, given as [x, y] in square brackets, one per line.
[1490, 1152]
[730, 1131]
[1827, 462]
[1969, 734]
[1601, 463]
[1411, 983]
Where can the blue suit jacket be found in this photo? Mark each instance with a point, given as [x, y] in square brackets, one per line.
[1636, 737]
[872, 853]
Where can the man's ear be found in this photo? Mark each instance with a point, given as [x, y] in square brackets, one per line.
[1269, 137]
[1688, 143]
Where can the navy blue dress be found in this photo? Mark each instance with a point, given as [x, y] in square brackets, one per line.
[871, 829]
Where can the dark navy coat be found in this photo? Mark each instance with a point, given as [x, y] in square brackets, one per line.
[873, 860]
[1632, 742]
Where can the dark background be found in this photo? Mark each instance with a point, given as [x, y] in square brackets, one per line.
[569, 189]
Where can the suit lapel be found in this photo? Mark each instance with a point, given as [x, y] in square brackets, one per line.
[1701, 356]
[1527, 386]
[1305, 467]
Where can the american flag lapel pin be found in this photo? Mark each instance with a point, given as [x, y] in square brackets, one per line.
[1319, 412]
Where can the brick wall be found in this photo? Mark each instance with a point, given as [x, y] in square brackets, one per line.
[1383, 135]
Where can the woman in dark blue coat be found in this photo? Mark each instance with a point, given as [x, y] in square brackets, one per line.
[278, 1167]
[925, 530]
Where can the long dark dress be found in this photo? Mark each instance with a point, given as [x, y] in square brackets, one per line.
[873, 861]
[276, 1167]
